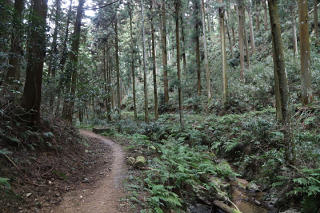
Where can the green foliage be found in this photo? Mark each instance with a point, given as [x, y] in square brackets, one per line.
[305, 182]
[4, 152]
[179, 162]
[4, 182]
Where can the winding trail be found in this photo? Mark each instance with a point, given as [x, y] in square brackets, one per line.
[106, 196]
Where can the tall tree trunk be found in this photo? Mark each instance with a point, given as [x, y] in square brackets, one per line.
[184, 57]
[68, 105]
[145, 85]
[5, 8]
[154, 68]
[198, 65]
[223, 54]
[177, 12]
[63, 59]
[265, 17]
[241, 37]
[246, 44]
[281, 83]
[31, 98]
[206, 64]
[105, 67]
[252, 40]
[116, 43]
[197, 41]
[109, 88]
[229, 38]
[132, 65]
[315, 20]
[232, 40]
[258, 11]
[54, 54]
[294, 31]
[233, 35]
[306, 90]
[16, 50]
[163, 31]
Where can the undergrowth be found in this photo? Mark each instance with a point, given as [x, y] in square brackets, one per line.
[180, 162]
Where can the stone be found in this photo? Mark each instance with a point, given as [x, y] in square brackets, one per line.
[140, 161]
[131, 161]
[252, 187]
[85, 180]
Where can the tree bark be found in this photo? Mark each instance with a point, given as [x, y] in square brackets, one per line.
[116, 43]
[306, 90]
[132, 65]
[294, 31]
[5, 7]
[265, 17]
[281, 83]
[63, 59]
[31, 98]
[54, 54]
[109, 88]
[206, 64]
[246, 44]
[154, 68]
[315, 20]
[184, 57]
[197, 41]
[229, 38]
[258, 15]
[16, 51]
[223, 54]
[68, 106]
[177, 12]
[241, 37]
[252, 40]
[145, 85]
[105, 68]
[163, 31]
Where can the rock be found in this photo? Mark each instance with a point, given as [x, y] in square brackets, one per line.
[253, 187]
[131, 161]
[140, 161]
[85, 180]
[240, 183]
[218, 182]
[200, 208]
[224, 207]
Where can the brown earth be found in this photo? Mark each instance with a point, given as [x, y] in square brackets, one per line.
[105, 195]
[41, 177]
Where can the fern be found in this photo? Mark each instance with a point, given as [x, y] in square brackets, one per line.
[4, 182]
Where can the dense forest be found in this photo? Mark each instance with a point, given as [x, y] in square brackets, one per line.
[212, 105]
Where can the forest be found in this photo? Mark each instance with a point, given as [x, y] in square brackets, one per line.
[159, 106]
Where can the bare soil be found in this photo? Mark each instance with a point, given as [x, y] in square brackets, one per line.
[43, 179]
[105, 195]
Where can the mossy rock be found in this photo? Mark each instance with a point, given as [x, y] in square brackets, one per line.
[131, 161]
[140, 161]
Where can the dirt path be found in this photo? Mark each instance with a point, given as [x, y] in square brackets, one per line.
[105, 195]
